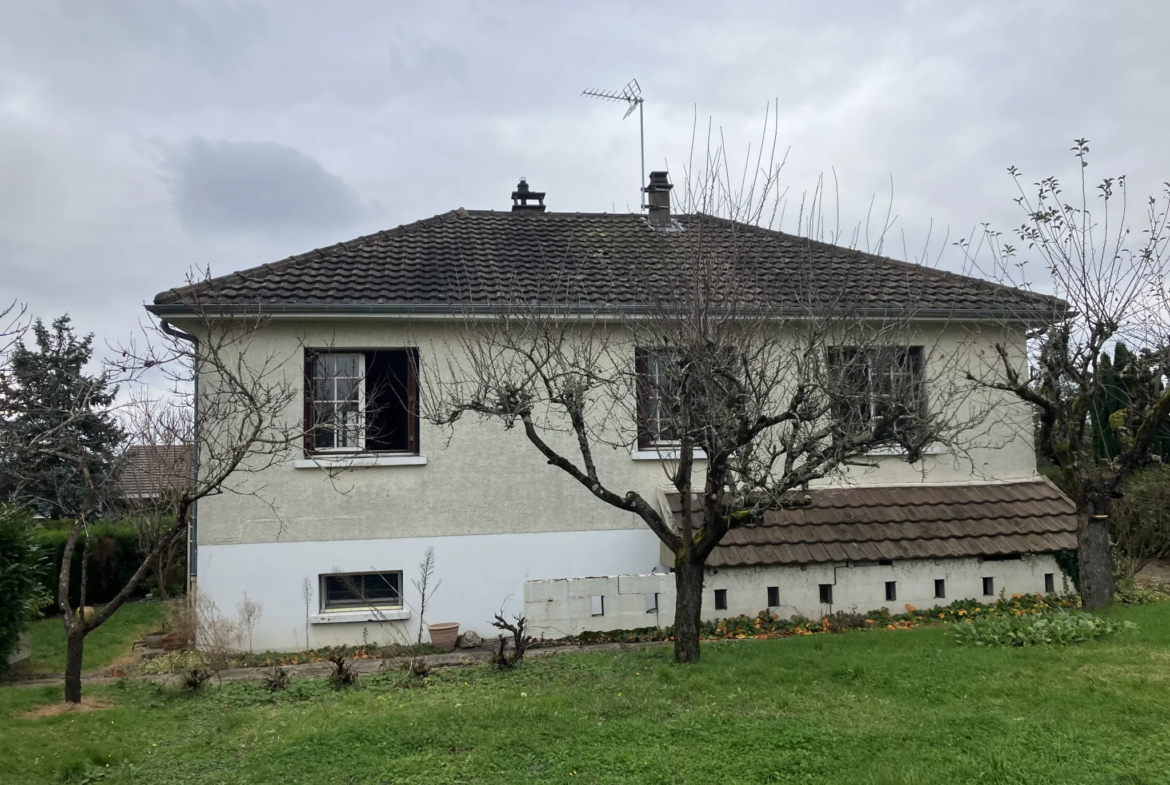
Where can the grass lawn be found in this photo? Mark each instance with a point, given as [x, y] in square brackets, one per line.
[102, 646]
[865, 707]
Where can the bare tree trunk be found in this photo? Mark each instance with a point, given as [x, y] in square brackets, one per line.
[688, 604]
[74, 648]
[1094, 561]
[161, 569]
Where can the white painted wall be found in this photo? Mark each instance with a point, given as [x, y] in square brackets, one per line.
[479, 574]
[556, 608]
[482, 479]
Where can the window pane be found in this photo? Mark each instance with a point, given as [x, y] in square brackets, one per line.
[362, 590]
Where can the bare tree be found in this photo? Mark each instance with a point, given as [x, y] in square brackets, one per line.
[237, 422]
[1113, 283]
[751, 381]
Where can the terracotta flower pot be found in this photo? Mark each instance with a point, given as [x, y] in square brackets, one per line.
[444, 635]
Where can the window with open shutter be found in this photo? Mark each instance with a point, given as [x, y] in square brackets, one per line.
[361, 401]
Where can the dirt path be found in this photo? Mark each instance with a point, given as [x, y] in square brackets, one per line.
[318, 670]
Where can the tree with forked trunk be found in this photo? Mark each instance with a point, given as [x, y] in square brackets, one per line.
[229, 405]
[747, 395]
[1095, 432]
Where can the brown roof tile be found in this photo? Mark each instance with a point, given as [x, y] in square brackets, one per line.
[911, 522]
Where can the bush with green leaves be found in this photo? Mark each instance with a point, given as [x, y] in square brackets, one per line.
[1046, 629]
[21, 566]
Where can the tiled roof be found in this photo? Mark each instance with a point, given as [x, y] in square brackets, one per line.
[906, 522]
[473, 257]
[146, 470]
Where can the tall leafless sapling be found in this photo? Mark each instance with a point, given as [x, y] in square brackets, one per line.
[1113, 281]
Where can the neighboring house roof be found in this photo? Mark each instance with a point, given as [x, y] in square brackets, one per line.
[905, 522]
[468, 258]
[145, 471]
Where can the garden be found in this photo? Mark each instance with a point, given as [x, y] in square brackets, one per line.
[915, 703]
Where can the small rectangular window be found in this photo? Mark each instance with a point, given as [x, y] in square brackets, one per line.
[940, 588]
[652, 602]
[344, 591]
[1049, 583]
[989, 587]
[826, 593]
[598, 603]
[891, 591]
[721, 599]
[773, 596]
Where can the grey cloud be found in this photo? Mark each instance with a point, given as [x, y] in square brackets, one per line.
[257, 186]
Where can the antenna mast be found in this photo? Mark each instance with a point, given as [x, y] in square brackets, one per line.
[632, 95]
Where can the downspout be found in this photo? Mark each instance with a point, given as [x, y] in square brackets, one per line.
[193, 529]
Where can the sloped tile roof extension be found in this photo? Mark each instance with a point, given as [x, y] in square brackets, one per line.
[910, 522]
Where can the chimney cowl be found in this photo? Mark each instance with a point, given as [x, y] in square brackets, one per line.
[658, 199]
[522, 195]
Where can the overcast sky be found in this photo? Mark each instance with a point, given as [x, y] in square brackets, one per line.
[140, 138]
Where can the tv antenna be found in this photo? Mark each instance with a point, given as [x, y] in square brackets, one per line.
[632, 95]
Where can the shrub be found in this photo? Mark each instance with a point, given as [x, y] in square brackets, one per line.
[195, 678]
[1140, 520]
[1046, 629]
[343, 674]
[22, 565]
[276, 680]
[1132, 592]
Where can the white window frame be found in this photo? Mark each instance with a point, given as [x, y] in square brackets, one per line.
[324, 608]
[361, 408]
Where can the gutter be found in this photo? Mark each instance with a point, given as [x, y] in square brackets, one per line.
[443, 312]
[193, 529]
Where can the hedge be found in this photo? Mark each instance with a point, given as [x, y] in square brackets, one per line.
[113, 559]
[21, 566]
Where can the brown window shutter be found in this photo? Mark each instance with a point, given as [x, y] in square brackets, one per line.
[642, 392]
[310, 359]
[412, 400]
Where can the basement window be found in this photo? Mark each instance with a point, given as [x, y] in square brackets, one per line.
[1049, 583]
[940, 588]
[773, 596]
[721, 599]
[357, 590]
[826, 590]
[891, 591]
[989, 587]
[361, 401]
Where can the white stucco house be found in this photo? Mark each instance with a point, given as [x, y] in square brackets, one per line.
[358, 319]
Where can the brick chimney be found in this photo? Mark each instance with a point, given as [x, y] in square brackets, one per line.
[522, 195]
[658, 199]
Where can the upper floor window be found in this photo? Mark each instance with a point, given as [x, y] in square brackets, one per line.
[879, 382]
[655, 421]
[361, 401]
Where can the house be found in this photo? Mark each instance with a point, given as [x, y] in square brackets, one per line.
[357, 322]
[148, 472]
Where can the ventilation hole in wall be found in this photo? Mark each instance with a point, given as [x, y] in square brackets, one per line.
[721, 599]
[826, 593]
[598, 601]
[1049, 583]
[989, 587]
[652, 602]
[891, 591]
[773, 596]
[940, 588]
[885, 562]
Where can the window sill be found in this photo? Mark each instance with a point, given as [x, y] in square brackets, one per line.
[359, 461]
[664, 454]
[339, 617]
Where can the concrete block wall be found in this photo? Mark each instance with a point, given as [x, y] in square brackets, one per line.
[561, 607]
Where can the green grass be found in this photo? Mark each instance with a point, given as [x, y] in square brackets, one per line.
[102, 646]
[866, 707]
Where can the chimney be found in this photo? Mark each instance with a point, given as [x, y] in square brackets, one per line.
[521, 196]
[658, 199]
